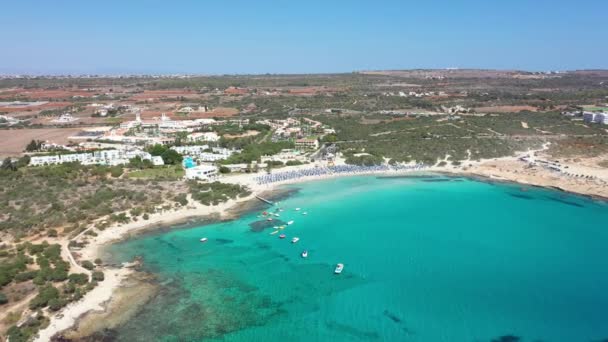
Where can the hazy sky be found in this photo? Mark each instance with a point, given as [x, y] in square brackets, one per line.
[260, 36]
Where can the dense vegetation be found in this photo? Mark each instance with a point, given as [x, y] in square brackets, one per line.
[216, 192]
[254, 152]
[42, 266]
[68, 196]
[429, 139]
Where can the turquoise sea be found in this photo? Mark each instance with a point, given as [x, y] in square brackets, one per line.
[427, 258]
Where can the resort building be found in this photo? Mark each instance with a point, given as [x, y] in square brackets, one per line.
[202, 172]
[204, 153]
[591, 117]
[203, 136]
[103, 157]
[190, 150]
[307, 144]
[236, 167]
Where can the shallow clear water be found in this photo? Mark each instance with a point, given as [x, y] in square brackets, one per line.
[426, 259]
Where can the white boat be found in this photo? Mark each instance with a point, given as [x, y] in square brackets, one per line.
[204, 240]
[297, 209]
[304, 213]
[295, 239]
[339, 268]
[305, 254]
[277, 215]
[290, 222]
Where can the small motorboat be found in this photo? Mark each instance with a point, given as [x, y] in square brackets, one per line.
[304, 213]
[276, 231]
[339, 268]
[305, 254]
[204, 240]
[295, 239]
[290, 222]
[277, 215]
[297, 209]
[282, 236]
[270, 219]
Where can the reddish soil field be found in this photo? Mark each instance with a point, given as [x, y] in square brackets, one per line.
[13, 141]
[42, 94]
[30, 109]
[505, 109]
[159, 94]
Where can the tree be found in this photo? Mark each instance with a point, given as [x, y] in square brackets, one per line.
[98, 276]
[56, 303]
[23, 161]
[78, 278]
[7, 164]
[34, 145]
[224, 169]
[45, 294]
[138, 163]
[3, 299]
[171, 157]
[157, 150]
[88, 265]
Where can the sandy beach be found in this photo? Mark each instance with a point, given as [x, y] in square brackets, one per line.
[505, 169]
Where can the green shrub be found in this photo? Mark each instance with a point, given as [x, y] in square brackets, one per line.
[98, 276]
[87, 264]
[56, 303]
[78, 278]
[45, 294]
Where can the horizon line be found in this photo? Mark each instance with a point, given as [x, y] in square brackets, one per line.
[178, 74]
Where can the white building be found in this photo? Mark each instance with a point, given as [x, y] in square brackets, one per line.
[236, 167]
[591, 117]
[203, 136]
[103, 157]
[202, 172]
[157, 160]
[307, 144]
[202, 153]
[65, 118]
[190, 150]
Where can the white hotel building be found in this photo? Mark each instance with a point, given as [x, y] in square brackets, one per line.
[103, 157]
